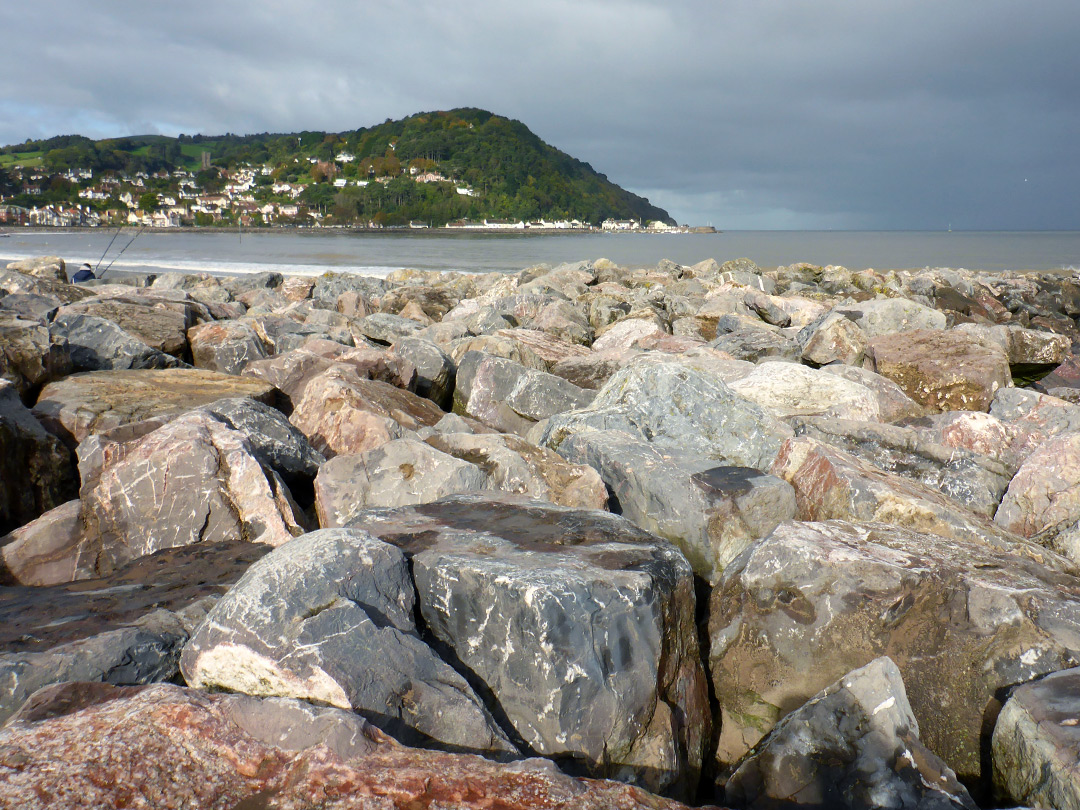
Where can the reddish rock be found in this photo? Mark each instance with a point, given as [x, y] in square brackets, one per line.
[832, 484]
[548, 347]
[193, 480]
[943, 370]
[341, 413]
[166, 746]
[291, 372]
[225, 346]
[43, 552]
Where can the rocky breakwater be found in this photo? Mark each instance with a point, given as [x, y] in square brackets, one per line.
[581, 536]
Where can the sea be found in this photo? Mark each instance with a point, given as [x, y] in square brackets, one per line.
[316, 251]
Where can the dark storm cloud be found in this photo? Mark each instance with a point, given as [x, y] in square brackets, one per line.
[745, 114]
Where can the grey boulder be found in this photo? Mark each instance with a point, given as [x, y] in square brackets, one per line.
[710, 513]
[329, 617]
[683, 411]
[854, 745]
[578, 624]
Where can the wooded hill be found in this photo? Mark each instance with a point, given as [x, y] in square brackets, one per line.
[493, 167]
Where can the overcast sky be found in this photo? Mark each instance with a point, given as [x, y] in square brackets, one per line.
[886, 114]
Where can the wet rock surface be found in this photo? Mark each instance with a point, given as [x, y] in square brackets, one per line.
[128, 627]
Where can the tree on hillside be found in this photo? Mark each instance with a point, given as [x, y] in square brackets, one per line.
[148, 202]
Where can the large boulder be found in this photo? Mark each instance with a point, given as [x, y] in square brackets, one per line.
[435, 371]
[972, 481]
[192, 480]
[225, 346]
[83, 404]
[97, 344]
[36, 470]
[341, 413]
[943, 370]
[274, 440]
[814, 601]
[579, 625]
[45, 550]
[1036, 743]
[788, 389]
[893, 403]
[30, 356]
[398, 473]
[519, 467]
[159, 323]
[162, 745]
[886, 316]
[832, 484]
[831, 338]
[982, 433]
[14, 283]
[1032, 410]
[50, 267]
[291, 372]
[853, 745]
[330, 618]
[128, 627]
[509, 397]
[710, 513]
[1043, 499]
[682, 410]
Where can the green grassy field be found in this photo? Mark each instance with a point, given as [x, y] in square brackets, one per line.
[27, 159]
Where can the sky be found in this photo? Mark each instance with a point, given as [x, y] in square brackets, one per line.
[753, 114]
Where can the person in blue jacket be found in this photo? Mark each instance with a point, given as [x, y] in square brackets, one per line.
[84, 273]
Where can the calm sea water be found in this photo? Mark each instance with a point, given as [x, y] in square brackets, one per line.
[312, 253]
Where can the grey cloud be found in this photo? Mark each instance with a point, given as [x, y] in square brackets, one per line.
[746, 114]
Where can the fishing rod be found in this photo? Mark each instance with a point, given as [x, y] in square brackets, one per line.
[99, 261]
[121, 253]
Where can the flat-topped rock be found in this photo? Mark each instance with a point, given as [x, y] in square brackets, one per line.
[579, 624]
[788, 389]
[128, 627]
[813, 601]
[82, 404]
[971, 480]
[97, 344]
[160, 324]
[943, 370]
[832, 484]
